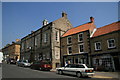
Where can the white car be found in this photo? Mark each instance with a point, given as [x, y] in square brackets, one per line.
[80, 70]
[24, 63]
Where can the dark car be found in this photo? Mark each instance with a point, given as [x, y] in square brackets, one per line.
[11, 61]
[41, 65]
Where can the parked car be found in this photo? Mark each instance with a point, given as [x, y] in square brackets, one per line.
[23, 63]
[80, 70]
[11, 61]
[41, 65]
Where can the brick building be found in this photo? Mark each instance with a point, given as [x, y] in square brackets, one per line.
[12, 50]
[44, 43]
[75, 44]
[105, 47]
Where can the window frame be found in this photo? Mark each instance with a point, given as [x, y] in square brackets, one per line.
[96, 46]
[57, 36]
[79, 47]
[68, 40]
[112, 43]
[68, 49]
[45, 37]
[79, 37]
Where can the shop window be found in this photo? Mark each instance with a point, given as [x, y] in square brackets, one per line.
[98, 46]
[111, 43]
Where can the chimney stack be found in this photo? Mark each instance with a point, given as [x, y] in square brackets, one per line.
[64, 14]
[17, 40]
[45, 22]
[92, 19]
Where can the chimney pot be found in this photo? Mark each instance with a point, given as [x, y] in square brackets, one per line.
[64, 14]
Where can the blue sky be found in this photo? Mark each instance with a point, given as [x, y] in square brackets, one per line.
[20, 18]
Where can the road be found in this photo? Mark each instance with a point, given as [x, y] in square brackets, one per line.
[13, 71]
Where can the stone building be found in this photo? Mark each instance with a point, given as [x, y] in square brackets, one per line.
[75, 44]
[44, 43]
[12, 50]
[105, 47]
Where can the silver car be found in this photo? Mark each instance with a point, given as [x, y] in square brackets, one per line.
[24, 63]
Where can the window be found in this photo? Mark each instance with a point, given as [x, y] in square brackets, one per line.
[36, 40]
[81, 48]
[57, 36]
[80, 66]
[111, 43]
[69, 40]
[98, 46]
[69, 50]
[45, 37]
[80, 37]
[22, 47]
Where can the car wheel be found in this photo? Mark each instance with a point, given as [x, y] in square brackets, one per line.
[78, 74]
[60, 72]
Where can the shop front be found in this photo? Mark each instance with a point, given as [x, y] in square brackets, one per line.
[75, 59]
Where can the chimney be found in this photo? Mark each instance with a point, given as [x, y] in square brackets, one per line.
[64, 14]
[17, 40]
[32, 31]
[45, 22]
[92, 19]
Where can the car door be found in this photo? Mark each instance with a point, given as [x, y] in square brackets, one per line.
[67, 69]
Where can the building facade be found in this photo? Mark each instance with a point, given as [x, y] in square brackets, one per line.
[75, 44]
[105, 47]
[12, 50]
[44, 43]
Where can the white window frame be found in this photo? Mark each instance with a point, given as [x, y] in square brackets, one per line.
[96, 45]
[109, 43]
[68, 41]
[79, 47]
[68, 49]
[79, 37]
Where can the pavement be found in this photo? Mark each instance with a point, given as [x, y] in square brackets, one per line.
[107, 75]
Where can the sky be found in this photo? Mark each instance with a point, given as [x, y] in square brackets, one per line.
[20, 18]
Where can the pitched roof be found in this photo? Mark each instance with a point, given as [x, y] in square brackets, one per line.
[78, 29]
[107, 29]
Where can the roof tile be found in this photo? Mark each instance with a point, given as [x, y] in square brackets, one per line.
[107, 29]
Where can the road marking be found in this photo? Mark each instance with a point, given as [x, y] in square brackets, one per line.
[101, 77]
